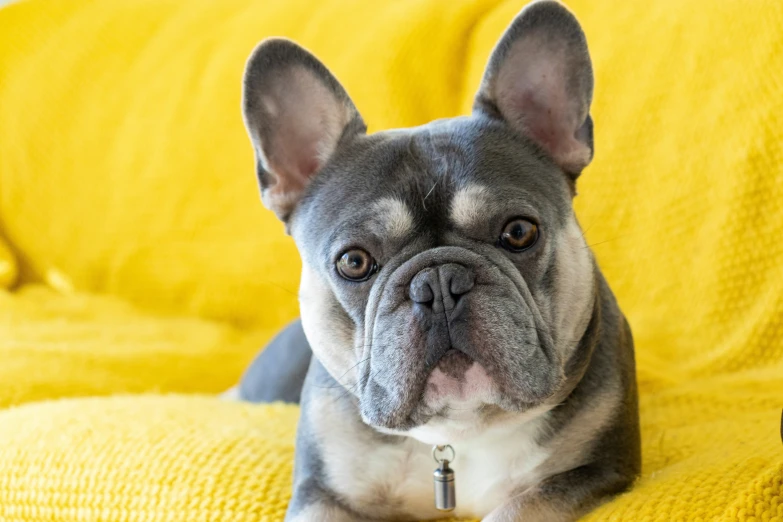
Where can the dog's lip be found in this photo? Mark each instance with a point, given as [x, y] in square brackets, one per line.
[451, 357]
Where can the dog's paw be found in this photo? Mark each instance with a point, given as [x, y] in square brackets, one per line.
[231, 394]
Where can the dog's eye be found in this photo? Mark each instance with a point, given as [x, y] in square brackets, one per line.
[518, 235]
[356, 265]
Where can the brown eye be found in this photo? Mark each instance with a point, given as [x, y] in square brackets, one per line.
[356, 265]
[518, 235]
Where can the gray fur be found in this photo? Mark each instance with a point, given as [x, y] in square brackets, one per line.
[277, 374]
[537, 333]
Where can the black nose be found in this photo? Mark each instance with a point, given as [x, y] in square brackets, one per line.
[441, 287]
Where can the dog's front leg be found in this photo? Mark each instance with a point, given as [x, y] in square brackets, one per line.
[562, 498]
[315, 498]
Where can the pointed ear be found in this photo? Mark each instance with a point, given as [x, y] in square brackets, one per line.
[297, 114]
[540, 81]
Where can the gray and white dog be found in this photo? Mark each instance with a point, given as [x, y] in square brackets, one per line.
[447, 292]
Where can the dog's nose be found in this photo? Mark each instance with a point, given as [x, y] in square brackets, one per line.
[441, 287]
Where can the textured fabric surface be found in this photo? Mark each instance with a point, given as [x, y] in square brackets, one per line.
[192, 458]
[54, 345]
[125, 171]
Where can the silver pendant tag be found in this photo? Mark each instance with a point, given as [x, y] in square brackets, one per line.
[443, 478]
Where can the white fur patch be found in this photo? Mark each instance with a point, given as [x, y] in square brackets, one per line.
[492, 466]
[469, 205]
[331, 341]
[392, 218]
[322, 513]
[231, 394]
[462, 398]
[489, 467]
[575, 279]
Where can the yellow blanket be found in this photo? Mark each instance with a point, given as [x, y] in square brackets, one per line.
[147, 264]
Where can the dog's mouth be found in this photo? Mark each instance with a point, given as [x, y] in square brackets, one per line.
[458, 397]
[458, 381]
[456, 400]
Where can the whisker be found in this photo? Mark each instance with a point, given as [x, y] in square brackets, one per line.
[338, 379]
[585, 230]
[606, 241]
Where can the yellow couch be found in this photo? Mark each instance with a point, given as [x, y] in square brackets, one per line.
[149, 274]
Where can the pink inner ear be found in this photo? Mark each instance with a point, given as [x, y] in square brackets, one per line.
[295, 156]
[542, 122]
[294, 163]
[309, 165]
[531, 92]
[306, 121]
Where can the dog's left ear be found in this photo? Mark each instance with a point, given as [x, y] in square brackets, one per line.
[540, 81]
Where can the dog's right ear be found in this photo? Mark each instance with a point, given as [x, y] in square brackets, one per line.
[297, 114]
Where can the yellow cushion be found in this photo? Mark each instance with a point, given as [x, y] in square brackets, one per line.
[75, 345]
[193, 459]
[124, 169]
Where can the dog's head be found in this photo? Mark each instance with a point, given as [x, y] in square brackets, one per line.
[446, 282]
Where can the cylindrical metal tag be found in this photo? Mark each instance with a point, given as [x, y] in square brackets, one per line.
[445, 497]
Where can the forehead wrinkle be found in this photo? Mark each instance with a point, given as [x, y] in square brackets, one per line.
[443, 157]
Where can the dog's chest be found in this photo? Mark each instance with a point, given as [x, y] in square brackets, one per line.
[397, 479]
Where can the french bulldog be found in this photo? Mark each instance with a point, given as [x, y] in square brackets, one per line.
[452, 314]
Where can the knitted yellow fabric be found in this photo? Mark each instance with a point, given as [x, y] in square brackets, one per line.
[125, 172]
[75, 345]
[168, 458]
